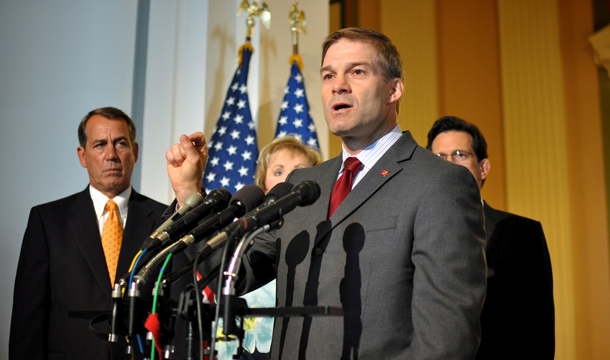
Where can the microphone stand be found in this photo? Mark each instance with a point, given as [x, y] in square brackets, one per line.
[231, 304]
[133, 294]
[117, 308]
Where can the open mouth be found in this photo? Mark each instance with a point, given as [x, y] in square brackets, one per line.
[338, 107]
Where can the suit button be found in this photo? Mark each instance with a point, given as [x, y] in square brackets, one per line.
[317, 251]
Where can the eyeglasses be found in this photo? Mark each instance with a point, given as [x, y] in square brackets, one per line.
[458, 156]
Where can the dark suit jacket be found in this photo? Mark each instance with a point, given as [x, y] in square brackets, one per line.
[518, 318]
[403, 255]
[62, 279]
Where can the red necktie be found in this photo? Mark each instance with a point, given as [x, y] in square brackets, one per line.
[343, 186]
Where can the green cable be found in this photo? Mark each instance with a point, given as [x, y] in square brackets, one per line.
[154, 307]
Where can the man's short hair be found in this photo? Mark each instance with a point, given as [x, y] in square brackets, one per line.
[109, 113]
[452, 123]
[388, 56]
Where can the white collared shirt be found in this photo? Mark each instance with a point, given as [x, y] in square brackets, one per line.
[372, 153]
[99, 204]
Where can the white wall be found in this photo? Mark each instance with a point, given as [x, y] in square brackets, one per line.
[60, 59]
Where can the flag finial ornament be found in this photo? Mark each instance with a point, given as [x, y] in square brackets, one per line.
[297, 22]
[254, 9]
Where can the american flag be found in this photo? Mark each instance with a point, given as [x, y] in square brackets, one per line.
[233, 149]
[294, 117]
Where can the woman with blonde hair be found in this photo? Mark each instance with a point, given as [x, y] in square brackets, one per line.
[278, 158]
[275, 161]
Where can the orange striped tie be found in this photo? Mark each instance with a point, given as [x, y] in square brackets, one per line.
[112, 237]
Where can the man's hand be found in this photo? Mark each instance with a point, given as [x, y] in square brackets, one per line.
[185, 164]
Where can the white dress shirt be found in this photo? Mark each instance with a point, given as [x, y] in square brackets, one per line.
[99, 204]
[372, 153]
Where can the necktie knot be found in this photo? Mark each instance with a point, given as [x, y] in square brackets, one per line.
[111, 205]
[352, 164]
[343, 186]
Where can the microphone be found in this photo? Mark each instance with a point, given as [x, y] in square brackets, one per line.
[242, 202]
[250, 196]
[302, 194]
[216, 200]
[191, 201]
[246, 198]
[278, 191]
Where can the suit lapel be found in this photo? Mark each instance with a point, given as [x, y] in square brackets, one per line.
[81, 219]
[492, 218]
[327, 179]
[388, 165]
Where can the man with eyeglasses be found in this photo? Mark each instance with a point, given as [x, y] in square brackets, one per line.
[518, 317]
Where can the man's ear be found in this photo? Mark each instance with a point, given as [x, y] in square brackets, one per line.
[81, 156]
[484, 167]
[397, 90]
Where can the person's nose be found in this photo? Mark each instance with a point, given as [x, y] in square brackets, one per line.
[111, 153]
[341, 84]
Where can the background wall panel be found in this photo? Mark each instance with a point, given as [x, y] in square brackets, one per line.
[536, 142]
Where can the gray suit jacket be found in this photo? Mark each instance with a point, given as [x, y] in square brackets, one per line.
[403, 255]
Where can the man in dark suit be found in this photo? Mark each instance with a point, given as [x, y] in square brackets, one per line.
[402, 254]
[63, 279]
[518, 318]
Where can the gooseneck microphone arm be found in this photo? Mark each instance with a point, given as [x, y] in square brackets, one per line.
[234, 265]
[229, 305]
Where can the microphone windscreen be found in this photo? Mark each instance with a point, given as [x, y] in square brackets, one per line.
[250, 196]
[219, 198]
[191, 201]
[278, 191]
[308, 190]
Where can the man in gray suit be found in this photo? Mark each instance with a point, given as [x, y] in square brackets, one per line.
[401, 254]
